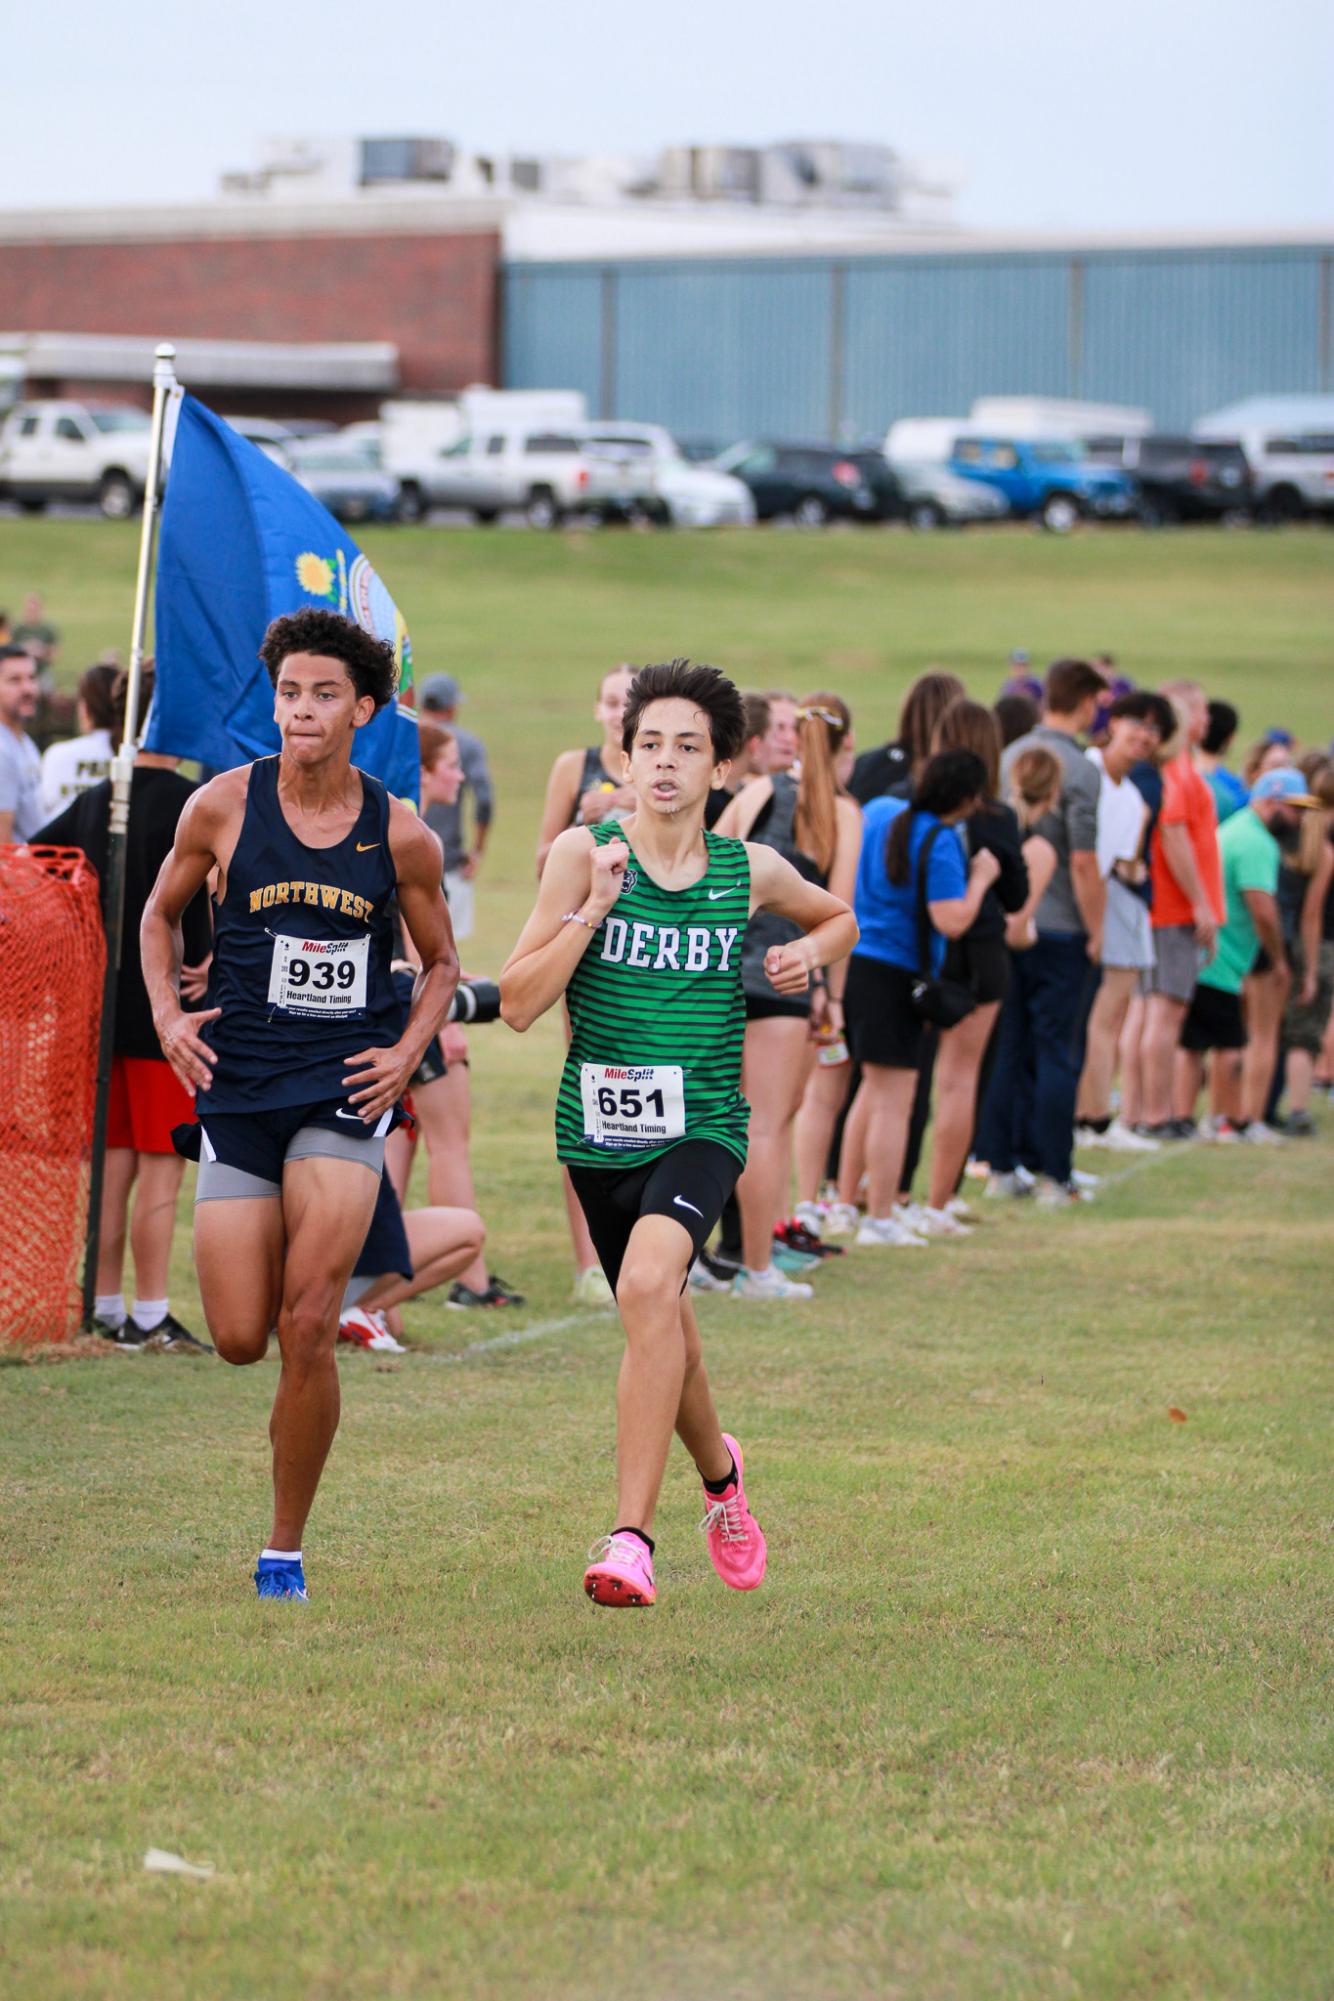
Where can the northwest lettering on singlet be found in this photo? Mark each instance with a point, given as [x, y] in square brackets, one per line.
[302, 944]
[657, 1017]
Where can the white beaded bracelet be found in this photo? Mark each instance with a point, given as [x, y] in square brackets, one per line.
[574, 917]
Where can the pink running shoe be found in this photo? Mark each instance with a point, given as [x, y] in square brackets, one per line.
[737, 1548]
[620, 1572]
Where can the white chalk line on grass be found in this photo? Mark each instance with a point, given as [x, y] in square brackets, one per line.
[518, 1337]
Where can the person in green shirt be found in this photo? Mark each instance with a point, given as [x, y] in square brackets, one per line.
[1215, 1020]
[639, 925]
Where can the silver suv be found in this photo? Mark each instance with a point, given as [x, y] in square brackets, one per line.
[1289, 444]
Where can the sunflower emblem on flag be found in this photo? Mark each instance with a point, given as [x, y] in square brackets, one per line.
[356, 592]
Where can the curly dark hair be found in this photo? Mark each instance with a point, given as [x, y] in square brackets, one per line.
[369, 661]
[689, 681]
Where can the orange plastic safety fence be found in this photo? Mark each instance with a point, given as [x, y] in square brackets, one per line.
[52, 955]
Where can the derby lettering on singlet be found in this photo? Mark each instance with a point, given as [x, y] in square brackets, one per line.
[657, 1017]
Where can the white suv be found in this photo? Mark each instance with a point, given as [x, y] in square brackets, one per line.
[546, 473]
[637, 471]
[75, 451]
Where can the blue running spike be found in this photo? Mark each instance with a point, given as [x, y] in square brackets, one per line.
[276, 1578]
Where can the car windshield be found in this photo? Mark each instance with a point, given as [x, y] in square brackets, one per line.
[1055, 452]
[333, 462]
[121, 420]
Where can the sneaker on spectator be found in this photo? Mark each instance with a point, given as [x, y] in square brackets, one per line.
[769, 1284]
[590, 1288]
[959, 1209]
[940, 1223]
[1084, 1184]
[701, 1279]
[798, 1238]
[841, 1219]
[886, 1233]
[1224, 1133]
[1058, 1194]
[719, 1267]
[170, 1338]
[811, 1216]
[794, 1263]
[368, 1330]
[911, 1215]
[1007, 1186]
[1119, 1138]
[1299, 1125]
[128, 1338]
[1257, 1133]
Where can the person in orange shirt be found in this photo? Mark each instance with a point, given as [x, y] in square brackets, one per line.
[1187, 879]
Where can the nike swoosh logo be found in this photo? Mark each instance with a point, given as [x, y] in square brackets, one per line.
[354, 1116]
[714, 894]
[364, 847]
[688, 1205]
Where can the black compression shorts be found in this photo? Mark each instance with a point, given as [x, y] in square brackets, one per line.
[690, 1183]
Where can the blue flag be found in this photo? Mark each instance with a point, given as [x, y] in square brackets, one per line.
[242, 543]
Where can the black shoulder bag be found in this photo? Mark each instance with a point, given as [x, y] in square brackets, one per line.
[940, 1002]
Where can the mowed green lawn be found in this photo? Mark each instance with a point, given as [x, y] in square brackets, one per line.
[1035, 1700]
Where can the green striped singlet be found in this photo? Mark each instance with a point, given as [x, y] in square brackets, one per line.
[657, 1018]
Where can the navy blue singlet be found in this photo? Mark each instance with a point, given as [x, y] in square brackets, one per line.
[301, 951]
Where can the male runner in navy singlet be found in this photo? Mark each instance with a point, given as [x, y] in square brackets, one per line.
[301, 1055]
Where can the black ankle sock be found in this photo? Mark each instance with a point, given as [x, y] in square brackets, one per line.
[647, 1540]
[1097, 1125]
[721, 1486]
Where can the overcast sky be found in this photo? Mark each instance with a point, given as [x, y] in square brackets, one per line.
[1134, 113]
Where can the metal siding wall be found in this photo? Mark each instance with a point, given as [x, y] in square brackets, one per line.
[552, 322]
[1185, 334]
[925, 336]
[724, 351]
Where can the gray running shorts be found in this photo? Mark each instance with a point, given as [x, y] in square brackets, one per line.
[219, 1183]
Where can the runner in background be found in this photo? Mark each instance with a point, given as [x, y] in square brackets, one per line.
[584, 788]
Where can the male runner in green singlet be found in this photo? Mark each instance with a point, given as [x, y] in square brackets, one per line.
[639, 925]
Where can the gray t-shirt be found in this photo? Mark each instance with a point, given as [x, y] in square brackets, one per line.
[20, 783]
[447, 821]
[1072, 828]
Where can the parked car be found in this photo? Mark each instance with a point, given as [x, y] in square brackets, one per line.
[64, 450]
[935, 497]
[637, 470]
[544, 472]
[346, 482]
[1181, 479]
[275, 440]
[814, 483]
[1289, 446]
[1049, 479]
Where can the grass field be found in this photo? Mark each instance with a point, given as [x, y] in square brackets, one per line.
[1035, 1701]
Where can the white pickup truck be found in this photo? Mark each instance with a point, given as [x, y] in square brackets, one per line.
[543, 472]
[75, 451]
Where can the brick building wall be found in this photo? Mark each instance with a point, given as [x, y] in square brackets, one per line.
[434, 295]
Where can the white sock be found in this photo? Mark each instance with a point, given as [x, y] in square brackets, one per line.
[280, 1555]
[110, 1306]
[146, 1314]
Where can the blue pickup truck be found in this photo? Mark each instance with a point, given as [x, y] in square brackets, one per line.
[1047, 478]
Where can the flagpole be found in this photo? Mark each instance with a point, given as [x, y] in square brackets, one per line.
[122, 773]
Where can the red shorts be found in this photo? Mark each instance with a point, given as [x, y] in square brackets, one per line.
[147, 1099]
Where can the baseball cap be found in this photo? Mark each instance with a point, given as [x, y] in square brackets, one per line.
[440, 691]
[1286, 784]
[1279, 735]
